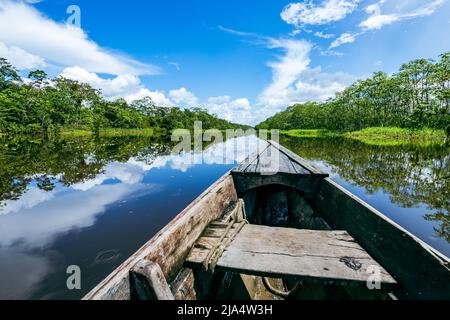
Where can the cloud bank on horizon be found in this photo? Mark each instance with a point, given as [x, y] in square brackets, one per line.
[30, 39]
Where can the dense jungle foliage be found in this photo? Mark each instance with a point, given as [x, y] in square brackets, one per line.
[41, 105]
[416, 97]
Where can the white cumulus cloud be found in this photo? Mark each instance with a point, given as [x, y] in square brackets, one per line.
[118, 86]
[381, 16]
[286, 70]
[158, 97]
[20, 58]
[307, 13]
[322, 35]
[344, 38]
[127, 86]
[24, 27]
[294, 81]
[237, 110]
[183, 98]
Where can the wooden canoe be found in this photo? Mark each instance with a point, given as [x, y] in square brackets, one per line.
[304, 229]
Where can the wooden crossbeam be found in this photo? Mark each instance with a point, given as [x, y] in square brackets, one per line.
[322, 256]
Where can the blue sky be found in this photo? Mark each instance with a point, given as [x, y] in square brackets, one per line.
[243, 60]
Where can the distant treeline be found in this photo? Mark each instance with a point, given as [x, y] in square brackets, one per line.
[40, 105]
[418, 96]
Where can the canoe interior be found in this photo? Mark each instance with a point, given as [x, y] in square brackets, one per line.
[307, 200]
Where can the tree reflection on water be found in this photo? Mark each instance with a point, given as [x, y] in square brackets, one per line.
[68, 161]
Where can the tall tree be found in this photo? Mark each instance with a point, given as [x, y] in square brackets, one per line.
[8, 74]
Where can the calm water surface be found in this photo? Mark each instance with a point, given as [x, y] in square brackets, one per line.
[93, 202]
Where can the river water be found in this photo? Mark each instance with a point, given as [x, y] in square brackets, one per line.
[93, 202]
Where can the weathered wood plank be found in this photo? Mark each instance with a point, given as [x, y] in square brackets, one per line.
[183, 287]
[272, 160]
[283, 162]
[214, 232]
[209, 239]
[299, 254]
[148, 282]
[292, 167]
[251, 162]
[300, 161]
[298, 168]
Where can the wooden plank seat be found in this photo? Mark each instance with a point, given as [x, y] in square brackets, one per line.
[321, 256]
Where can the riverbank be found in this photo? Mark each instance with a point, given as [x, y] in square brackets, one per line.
[147, 132]
[377, 135]
[310, 133]
[395, 136]
[86, 132]
[112, 132]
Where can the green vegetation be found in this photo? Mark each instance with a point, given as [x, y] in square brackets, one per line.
[309, 133]
[416, 97]
[51, 106]
[113, 132]
[390, 136]
[383, 136]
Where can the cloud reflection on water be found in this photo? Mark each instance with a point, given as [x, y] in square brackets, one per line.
[34, 222]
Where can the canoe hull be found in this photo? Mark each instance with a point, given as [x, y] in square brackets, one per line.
[421, 272]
